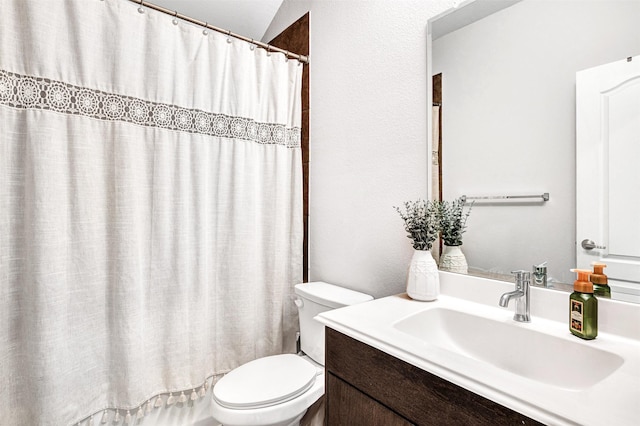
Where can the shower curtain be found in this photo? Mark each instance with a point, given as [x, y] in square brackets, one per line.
[150, 209]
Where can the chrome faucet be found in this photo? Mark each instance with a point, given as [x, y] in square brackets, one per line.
[539, 275]
[521, 294]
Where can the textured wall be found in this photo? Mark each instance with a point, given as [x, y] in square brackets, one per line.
[368, 134]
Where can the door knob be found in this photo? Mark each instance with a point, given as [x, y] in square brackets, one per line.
[590, 245]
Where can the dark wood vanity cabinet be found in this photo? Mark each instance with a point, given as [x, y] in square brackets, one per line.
[365, 386]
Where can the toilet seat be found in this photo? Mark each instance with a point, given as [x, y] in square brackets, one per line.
[265, 382]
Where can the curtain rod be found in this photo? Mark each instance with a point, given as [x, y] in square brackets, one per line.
[175, 14]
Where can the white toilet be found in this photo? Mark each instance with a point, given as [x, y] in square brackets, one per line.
[277, 390]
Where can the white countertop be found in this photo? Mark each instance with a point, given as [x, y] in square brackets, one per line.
[611, 401]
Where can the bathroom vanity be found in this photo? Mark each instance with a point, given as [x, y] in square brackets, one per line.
[463, 360]
[365, 383]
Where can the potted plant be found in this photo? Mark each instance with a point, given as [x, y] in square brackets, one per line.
[421, 223]
[452, 223]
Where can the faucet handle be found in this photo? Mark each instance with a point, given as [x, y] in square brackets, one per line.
[540, 269]
[522, 275]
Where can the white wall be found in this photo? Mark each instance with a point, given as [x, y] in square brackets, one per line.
[509, 121]
[368, 134]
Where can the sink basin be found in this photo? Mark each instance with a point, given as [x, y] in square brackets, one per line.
[553, 360]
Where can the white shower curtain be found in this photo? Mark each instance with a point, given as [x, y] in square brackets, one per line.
[150, 208]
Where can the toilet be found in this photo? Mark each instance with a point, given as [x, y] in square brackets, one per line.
[277, 390]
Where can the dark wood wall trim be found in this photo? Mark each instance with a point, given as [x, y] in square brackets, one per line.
[437, 88]
[437, 99]
[296, 39]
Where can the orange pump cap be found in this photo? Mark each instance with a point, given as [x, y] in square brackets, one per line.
[582, 284]
[598, 276]
[598, 267]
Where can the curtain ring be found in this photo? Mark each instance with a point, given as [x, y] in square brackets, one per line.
[205, 31]
[268, 50]
[175, 18]
[252, 46]
[140, 9]
[228, 36]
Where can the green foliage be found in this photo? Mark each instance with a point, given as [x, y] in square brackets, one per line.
[421, 222]
[452, 221]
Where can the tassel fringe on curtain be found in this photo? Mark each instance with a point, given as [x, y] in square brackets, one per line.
[134, 415]
[150, 210]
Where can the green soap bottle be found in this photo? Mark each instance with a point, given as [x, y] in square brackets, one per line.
[600, 281]
[583, 307]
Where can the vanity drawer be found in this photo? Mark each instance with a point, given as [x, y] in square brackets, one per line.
[357, 408]
[415, 395]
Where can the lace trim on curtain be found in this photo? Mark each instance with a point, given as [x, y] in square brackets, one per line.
[28, 92]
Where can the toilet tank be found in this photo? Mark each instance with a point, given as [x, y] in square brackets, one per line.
[314, 298]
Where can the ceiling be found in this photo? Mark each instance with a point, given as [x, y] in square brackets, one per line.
[249, 18]
[456, 18]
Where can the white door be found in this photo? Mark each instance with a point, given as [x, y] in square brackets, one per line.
[608, 173]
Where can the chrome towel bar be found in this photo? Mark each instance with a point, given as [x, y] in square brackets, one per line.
[545, 197]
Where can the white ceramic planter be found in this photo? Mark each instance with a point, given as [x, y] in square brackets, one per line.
[423, 281]
[453, 260]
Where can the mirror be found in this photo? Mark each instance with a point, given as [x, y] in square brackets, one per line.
[508, 72]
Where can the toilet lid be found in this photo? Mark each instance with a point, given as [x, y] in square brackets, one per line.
[265, 382]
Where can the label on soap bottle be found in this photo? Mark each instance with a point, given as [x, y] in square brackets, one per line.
[576, 315]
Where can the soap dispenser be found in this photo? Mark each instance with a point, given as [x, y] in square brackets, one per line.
[583, 307]
[600, 281]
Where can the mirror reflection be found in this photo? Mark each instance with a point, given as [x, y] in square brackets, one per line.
[507, 117]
